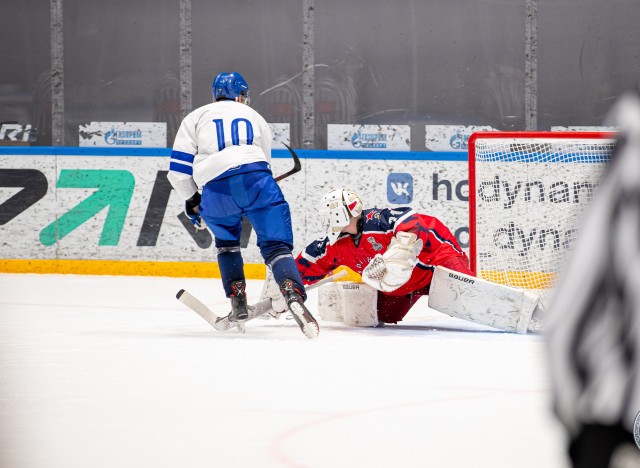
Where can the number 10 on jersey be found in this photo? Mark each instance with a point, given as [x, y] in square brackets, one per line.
[235, 137]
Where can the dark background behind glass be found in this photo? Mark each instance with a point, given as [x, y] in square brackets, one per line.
[376, 62]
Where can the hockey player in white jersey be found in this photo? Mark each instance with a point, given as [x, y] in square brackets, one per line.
[224, 150]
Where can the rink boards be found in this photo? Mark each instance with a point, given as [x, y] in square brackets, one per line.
[112, 211]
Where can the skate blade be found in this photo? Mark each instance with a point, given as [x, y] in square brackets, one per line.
[240, 326]
[308, 326]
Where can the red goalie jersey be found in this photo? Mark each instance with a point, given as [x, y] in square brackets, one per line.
[378, 227]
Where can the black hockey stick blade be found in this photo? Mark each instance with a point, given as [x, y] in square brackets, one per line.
[297, 166]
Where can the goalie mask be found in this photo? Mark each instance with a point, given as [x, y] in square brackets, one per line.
[336, 210]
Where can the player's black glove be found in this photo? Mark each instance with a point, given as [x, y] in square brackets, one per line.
[190, 207]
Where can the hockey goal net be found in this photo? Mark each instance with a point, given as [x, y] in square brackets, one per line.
[527, 192]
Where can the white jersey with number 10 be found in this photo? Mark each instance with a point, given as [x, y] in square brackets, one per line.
[215, 138]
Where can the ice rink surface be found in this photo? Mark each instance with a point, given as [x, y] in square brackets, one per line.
[101, 371]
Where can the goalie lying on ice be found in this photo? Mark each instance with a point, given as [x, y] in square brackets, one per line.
[403, 255]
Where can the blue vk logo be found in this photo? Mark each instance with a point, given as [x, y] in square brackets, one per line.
[400, 188]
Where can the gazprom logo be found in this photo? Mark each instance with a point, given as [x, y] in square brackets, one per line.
[459, 140]
[400, 188]
[369, 140]
[123, 137]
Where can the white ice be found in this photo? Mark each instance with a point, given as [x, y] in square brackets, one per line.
[100, 371]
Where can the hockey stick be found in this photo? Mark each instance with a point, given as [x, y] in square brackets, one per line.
[296, 165]
[260, 308]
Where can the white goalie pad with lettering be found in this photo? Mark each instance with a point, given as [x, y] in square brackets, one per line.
[355, 304]
[330, 303]
[480, 301]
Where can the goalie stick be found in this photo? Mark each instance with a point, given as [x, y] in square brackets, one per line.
[255, 310]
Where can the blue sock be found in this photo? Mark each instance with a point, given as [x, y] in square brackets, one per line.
[284, 267]
[231, 267]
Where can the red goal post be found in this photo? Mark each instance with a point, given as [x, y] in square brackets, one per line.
[527, 191]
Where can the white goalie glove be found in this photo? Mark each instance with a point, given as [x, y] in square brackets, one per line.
[388, 272]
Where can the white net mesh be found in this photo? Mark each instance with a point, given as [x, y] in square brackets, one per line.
[530, 194]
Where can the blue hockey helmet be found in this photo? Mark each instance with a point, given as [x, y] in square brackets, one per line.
[230, 86]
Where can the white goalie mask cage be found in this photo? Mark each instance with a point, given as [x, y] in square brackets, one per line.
[336, 210]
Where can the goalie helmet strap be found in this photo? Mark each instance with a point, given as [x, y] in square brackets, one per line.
[356, 237]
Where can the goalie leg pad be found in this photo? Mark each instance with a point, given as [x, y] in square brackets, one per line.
[360, 304]
[350, 302]
[480, 301]
[270, 290]
[330, 303]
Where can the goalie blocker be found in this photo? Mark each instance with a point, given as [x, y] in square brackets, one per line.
[452, 293]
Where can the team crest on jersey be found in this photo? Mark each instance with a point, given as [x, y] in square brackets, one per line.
[372, 214]
[374, 244]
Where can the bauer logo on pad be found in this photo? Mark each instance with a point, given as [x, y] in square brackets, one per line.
[400, 188]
